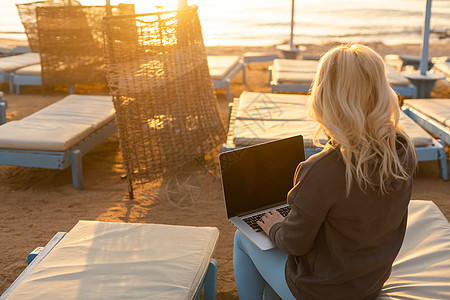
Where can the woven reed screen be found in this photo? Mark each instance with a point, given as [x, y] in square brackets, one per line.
[71, 43]
[27, 13]
[158, 74]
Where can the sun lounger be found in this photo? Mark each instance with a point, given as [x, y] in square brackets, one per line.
[290, 75]
[59, 135]
[443, 66]
[400, 61]
[29, 75]
[422, 267]
[223, 68]
[257, 118]
[108, 260]
[431, 114]
[11, 63]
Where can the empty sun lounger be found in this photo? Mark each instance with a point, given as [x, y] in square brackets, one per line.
[223, 68]
[431, 114]
[109, 260]
[29, 75]
[59, 135]
[257, 118]
[443, 66]
[290, 75]
[11, 63]
[400, 61]
[421, 270]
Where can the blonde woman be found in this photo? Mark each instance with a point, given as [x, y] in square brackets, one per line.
[349, 202]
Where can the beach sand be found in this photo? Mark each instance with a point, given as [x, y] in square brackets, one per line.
[37, 203]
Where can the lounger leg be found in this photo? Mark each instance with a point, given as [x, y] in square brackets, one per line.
[211, 281]
[443, 162]
[77, 169]
[228, 84]
[11, 85]
[243, 73]
[17, 89]
[3, 106]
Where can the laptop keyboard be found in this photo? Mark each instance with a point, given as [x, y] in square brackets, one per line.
[251, 221]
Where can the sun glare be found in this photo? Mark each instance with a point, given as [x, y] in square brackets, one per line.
[146, 6]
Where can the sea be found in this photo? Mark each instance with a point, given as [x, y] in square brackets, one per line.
[268, 22]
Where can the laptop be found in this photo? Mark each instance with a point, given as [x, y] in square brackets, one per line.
[257, 179]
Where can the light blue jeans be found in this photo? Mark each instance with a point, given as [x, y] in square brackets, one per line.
[259, 274]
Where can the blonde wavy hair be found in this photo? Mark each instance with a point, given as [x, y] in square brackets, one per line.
[355, 106]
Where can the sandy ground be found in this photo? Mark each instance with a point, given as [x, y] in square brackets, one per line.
[37, 203]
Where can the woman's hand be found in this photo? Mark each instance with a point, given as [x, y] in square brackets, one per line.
[269, 219]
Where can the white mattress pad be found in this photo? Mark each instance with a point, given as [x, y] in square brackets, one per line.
[395, 77]
[438, 109]
[303, 71]
[58, 126]
[264, 106]
[252, 132]
[295, 71]
[421, 270]
[32, 70]
[108, 260]
[11, 63]
[221, 65]
[443, 67]
[418, 135]
[264, 117]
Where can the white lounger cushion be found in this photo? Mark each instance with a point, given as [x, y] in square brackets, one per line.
[443, 67]
[11, 63]
[438, 109]
[265, 117]
[418, 135]
[220, 65]
[421, 270]
[58, 126]
[33, 70]
[273, 107]
[252, 132]
[291, 70]
[108, 260]
[303, 71]
[395, 77]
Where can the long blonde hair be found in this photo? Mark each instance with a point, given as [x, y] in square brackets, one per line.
[354, 104]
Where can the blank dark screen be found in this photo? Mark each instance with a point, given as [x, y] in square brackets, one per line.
[259, 176]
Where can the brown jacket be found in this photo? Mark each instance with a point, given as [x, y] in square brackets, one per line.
[341, 247]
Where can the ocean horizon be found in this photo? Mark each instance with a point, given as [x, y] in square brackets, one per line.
[264, 22]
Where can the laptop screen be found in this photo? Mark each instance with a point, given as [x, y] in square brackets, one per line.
[260, 176]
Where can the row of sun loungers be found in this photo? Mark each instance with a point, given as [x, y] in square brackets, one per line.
[58, 135]
[10, 64]
[288, 75]
[257, 118]
[25, 70]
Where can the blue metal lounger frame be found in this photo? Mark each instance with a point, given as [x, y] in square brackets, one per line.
[58, 159]
[208, 285]
[17, 80]
[436, 128]
[430, 153]
[225, 81]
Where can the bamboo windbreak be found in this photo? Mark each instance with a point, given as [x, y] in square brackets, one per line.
[27, 13]
[71, 43]
[158, 75]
